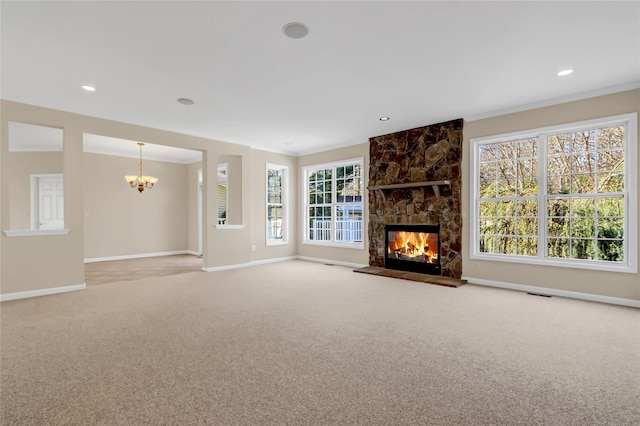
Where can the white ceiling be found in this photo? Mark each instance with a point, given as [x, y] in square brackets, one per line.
[416, 62]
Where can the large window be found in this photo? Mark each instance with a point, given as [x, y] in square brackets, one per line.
[334, 204]
[277, 223]
[565, 195]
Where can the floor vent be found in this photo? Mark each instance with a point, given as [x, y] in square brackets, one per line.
[539, 294]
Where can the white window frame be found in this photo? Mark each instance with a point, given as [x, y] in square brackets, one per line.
[630, 193]
[284, 171]
[305, 194]
[222, 181]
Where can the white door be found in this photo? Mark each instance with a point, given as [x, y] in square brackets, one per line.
[50, 202]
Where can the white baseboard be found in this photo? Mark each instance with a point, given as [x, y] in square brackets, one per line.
[555, 292]
[138, 256]
[42, 292]
[282, 259]
[274, 260]
[246, 265]
[194, 252]
[331, 262]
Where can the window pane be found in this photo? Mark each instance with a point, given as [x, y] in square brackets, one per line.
[559, 144]
[558, 227]
[611, 137]
[582, 227]
[488, 189]
[487, 225]
[488, 208]
[611, 250]
[583, 141]
[613, 206]
[583, 249]
[611, 227]
[558, 184]
[506, 208]
[610, 160]
[611, 182]
[488, 244]
[506, 245]
[558, 165]
[558, 247]
[506, 169]
[527, 226]
[558, 207]
[527, 246]
[506, 226]
[527, 148]
[487, 152]
[506, 188]
[527, 208]
[583, 183]
[583, 207]
[506, 150]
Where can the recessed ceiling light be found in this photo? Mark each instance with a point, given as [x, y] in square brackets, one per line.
[185, 101]
[564, 72]
[295, 30]
[89, 88]
[288, 143]
[384, 119]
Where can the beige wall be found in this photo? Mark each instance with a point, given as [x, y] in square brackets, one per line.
[120, 221]
[354, 256]
[578, 280]
[22, 165]
[40, 262]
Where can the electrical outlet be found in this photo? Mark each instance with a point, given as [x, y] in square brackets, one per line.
[253, 247]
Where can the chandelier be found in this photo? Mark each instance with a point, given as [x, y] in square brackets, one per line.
[139, 181]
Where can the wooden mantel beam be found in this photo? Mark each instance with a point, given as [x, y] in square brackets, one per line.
[435, 184]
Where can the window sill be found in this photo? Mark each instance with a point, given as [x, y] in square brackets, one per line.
[277, 243]
[559, 263]
[229, 226]
[356, 246]
[35, 232]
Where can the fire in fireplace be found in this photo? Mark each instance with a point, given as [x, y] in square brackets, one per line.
[414, 248]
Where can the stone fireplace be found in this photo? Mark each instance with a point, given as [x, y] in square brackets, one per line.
[414, 181]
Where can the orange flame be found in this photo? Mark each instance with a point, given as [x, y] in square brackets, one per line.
[413, 245]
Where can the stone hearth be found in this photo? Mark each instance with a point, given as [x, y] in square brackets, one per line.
[425, 154]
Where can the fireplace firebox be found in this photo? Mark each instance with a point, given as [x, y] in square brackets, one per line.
[414, 248]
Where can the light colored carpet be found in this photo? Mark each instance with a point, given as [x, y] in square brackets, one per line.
[302, 343]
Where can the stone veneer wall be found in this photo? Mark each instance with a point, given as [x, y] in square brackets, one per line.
[429, 153]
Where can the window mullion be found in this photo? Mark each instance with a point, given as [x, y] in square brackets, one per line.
[542, 196]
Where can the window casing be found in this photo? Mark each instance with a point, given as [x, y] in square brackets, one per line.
[563, 195]
[223, 193]
[277, 209]
[333, 195]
